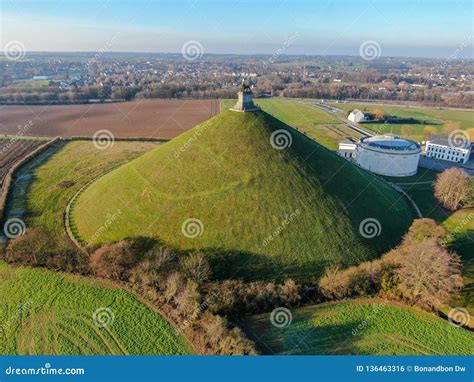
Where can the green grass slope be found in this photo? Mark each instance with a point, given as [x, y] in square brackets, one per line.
[364, 326]
[44, 187]
[225, 172]
[44, 312]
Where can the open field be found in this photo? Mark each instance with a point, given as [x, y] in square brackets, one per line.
[44, 187]
[12, 151]
[226, 174]
[44, 312]
[363, 326]
[461, 226]
[138, 119]
[318, 125]
[423, 117]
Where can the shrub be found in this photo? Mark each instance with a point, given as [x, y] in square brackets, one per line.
[334, 283]
[235, 343]
[173, 284]
[425, 228]
[236, 297]
[67, 257]
[32, 249]
[113, 261]
[196, 267]
[153, 270]
[362, 279]
[188, 299]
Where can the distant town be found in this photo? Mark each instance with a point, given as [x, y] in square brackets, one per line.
[65, 78]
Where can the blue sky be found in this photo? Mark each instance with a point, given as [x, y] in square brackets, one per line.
[431, 28]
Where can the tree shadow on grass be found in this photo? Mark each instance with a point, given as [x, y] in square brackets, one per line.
[301, 337]
[250, 266]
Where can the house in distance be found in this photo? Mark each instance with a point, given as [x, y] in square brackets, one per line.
[356, 116]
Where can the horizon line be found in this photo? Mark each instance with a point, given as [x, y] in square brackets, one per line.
[243, 54]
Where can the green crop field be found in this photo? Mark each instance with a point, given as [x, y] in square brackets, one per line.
[44, 312]
[318, 125]
[364, 326]
[44, 186]
[461, 226]
[423, 117]
[226, 174]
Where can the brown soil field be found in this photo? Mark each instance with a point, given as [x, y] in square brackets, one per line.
[137, 119]
[13, 151]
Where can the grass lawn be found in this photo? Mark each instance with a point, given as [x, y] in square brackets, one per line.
[424, 117]
[44, 312]
[226, 173]
[44, 186]
[363, 326]
[461, 225]
[423, 175]
[318, 125]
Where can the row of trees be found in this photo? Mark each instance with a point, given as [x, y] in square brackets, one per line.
[419, 271]
[178, 282]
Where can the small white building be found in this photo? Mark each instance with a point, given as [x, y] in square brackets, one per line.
[356, 116]
[445, 149]
[347, 149]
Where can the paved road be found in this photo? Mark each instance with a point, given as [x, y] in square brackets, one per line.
[335, 112]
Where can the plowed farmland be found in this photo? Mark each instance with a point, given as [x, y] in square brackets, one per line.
[12, 151]
[138, 119]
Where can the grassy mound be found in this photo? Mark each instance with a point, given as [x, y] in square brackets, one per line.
[263, 212]
[44, 312]
[364, 326]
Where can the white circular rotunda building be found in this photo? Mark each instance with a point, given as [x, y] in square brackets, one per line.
[388, 155]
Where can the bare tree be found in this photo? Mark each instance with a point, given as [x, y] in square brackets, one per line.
[196, 267]
[426, 273]
[453, 188]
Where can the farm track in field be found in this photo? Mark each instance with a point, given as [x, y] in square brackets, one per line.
[13, 151]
